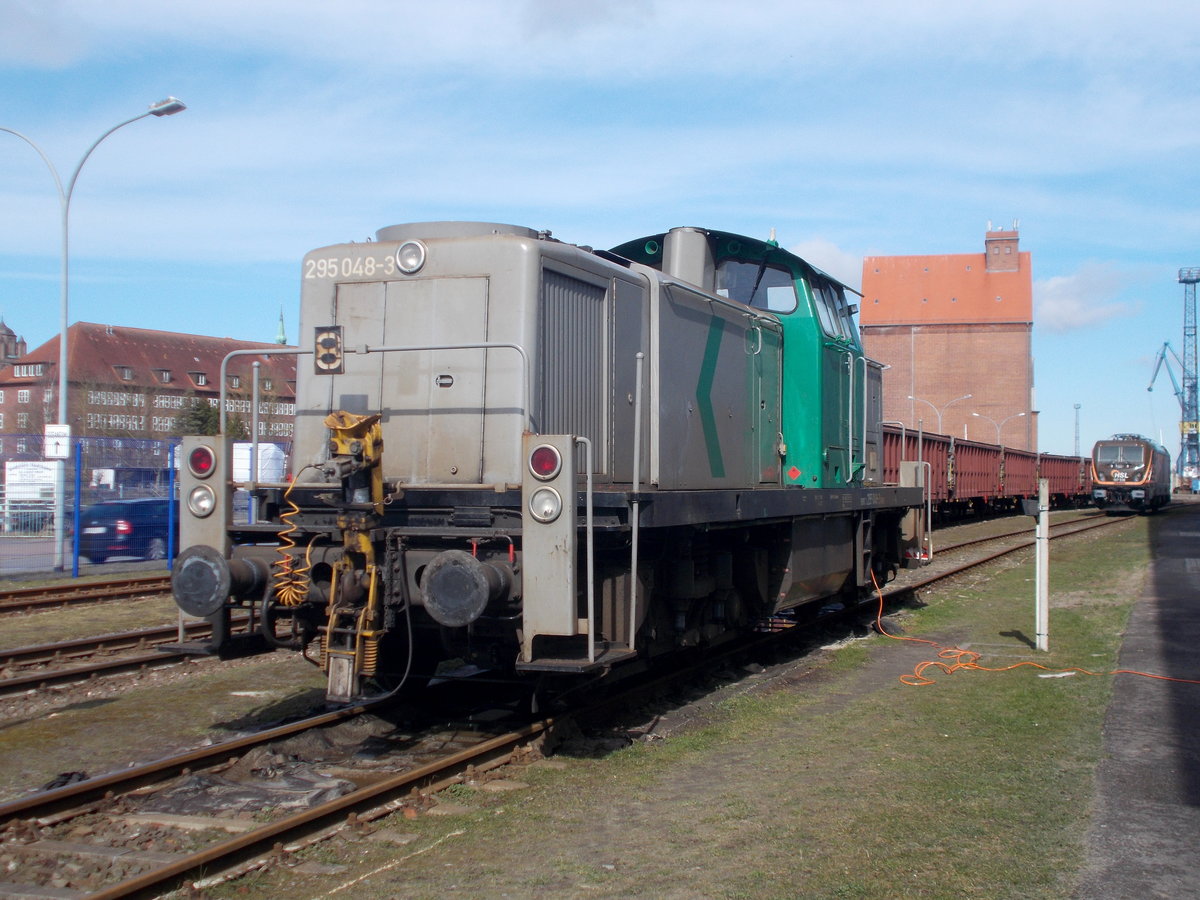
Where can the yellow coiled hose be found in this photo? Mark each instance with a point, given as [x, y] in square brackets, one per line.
[291, 582]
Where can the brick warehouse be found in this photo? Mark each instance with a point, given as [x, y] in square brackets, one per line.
[133, 383]
[951, 325]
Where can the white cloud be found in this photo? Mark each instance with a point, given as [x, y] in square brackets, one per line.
[1083, 300]
[827, 256]
[32, 33]
[617, 39]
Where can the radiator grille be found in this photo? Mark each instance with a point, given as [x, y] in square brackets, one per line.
[571, 353]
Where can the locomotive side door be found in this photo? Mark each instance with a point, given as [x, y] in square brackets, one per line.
[839, 365]
[767, 351]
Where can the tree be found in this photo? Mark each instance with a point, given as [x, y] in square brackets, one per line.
[197, 416]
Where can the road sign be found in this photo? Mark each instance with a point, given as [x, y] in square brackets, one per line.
[58, 442]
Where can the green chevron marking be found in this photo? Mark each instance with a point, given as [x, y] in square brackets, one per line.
[708, 419]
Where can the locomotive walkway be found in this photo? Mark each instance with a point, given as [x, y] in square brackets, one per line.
[1143, 838]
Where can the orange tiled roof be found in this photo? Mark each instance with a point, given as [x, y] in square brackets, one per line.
[924, 290]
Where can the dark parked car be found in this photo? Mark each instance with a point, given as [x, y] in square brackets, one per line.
[125, 528]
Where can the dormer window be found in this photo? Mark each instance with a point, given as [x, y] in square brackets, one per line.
[163, 375]
[266, 384]
[125, 373]
[235, 381]
[198, 378]
[30, 370]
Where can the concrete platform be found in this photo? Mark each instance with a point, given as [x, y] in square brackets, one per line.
[1144, 840]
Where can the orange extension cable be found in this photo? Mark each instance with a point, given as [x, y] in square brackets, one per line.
[953, 659]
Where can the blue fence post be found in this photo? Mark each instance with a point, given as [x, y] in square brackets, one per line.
[171, 507]
[75, 509]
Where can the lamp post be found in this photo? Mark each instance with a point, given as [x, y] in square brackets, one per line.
[167, 107]
[942, 408]
[1001, 424]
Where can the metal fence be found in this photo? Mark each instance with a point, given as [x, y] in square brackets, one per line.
[98, 469]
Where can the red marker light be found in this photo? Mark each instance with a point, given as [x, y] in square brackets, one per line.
[202, 461]
[544, 462]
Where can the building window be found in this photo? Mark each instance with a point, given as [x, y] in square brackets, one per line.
[235, 381]
[199, 378]
[21, 446]
[48, 396]
[125, 373]
[266, 385]
[1, 396]
[1, 420]
[164, 376]
[22, 420]
[33, 370]
[23, 396]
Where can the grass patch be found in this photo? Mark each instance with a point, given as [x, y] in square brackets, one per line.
[849, 785]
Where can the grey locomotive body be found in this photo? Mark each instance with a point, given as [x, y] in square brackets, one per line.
[538, 458]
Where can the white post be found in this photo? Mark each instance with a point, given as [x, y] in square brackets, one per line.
[1042, 577]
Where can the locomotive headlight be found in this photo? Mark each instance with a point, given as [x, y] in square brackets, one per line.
[201, 500]
[201, 461]
[545, 462]
[545, 505]
[410, 256]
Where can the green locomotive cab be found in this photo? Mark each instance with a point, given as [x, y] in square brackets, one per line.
[831, 393]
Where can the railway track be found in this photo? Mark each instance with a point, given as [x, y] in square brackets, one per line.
[119, 811]
[52, 596]
[69, 662]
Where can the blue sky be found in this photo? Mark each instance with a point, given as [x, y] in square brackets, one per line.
[851, 128]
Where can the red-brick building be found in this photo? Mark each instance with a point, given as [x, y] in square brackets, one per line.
[11, 346]
[955, 325]
[134, 383]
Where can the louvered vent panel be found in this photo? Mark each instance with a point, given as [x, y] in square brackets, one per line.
[571, 359]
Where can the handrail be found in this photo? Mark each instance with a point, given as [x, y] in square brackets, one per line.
[928, 506]
[850, 416]
[591, 564]
[862, 447]
[260, 351]
[365, 349]
[634, 503]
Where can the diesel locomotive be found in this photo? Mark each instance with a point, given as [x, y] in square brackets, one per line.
[539, 458]
[1130, 473]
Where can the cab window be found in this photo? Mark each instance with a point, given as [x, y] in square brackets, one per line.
[825, 299]
[1111, 453]
[759, 285]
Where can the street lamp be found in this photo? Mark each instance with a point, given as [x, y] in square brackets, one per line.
[942, 409]
[999, 426]
[167, 107]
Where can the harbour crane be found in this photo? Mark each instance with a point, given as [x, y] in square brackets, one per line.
[1187, 465]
